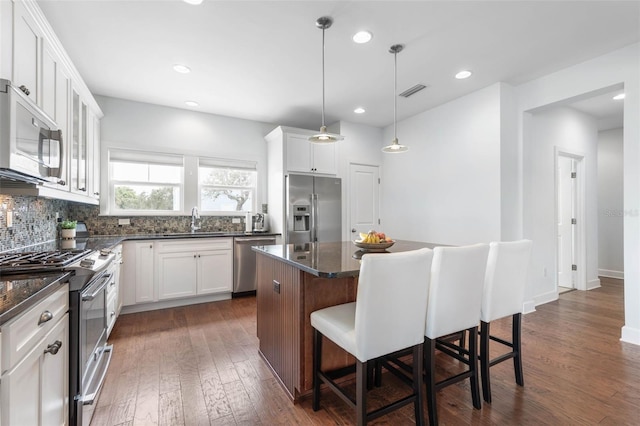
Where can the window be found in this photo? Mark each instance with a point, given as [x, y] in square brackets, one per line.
[145, 182]
[226, 185]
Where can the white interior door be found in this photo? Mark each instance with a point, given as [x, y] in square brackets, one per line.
[364, 195]
[566, 212]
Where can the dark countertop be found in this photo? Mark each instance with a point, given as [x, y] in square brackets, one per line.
[330, 260]
[20, 292]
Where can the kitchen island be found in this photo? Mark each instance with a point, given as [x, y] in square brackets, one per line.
[293, 281]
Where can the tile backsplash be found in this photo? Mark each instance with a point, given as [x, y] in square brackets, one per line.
[34, 221]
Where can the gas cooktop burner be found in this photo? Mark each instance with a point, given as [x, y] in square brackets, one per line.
[49, 260]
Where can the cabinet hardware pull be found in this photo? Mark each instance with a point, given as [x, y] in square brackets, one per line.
[83, 189]
[53, 348]
[25, 90]
[113, 314]
[62, 182]
[96, 193]
[44, 317]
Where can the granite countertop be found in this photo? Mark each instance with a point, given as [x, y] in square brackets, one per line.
[20, 292]
[330, 260]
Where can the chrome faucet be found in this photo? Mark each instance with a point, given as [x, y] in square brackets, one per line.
[194, 216]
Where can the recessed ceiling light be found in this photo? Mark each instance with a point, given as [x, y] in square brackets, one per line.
[619, 97]
[191, 103]
[194, 2]
[463, 74]
[362, 37]
[359, 110]
[182, 69]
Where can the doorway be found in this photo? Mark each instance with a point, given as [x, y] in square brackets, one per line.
[570, 221]
[364, 199]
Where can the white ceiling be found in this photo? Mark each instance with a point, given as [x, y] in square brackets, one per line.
[261, 60]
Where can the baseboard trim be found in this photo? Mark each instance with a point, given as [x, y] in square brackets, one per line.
[144, 307]
[593, 284]
[611, 274]
[528, 307]
[546, 297]
[630, 335]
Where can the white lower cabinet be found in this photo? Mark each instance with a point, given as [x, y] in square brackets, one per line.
[168, 270]
[34, 387]
[189, 268]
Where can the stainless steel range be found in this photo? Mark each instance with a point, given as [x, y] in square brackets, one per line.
[89, 354]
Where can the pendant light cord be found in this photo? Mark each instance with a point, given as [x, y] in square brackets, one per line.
[323, 29]
[395, 90]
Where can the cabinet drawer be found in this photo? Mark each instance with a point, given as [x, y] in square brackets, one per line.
[112, 314]
[22, 333]
[195, 245]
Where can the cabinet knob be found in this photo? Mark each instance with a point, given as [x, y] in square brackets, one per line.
[44, 317]
[25, 90]
[113, 314]
[96, 193]
[53, 348]
[83, 189]
[62, 182]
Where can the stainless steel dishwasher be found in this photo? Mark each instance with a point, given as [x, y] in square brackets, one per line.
[244, 263]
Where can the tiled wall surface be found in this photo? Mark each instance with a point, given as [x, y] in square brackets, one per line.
[108, 225]
[34, 220]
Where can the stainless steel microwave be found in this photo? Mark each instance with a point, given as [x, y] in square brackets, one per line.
[30, 142]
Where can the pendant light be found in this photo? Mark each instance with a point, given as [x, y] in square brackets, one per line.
[324, 137]
[395, 146]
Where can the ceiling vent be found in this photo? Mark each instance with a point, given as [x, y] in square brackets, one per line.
[412, 90]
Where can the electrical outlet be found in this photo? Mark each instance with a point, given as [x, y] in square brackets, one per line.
[9, 218]
[235, 220]
[57, 216]
[124, 222]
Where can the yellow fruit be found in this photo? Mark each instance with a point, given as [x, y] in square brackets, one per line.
[363, 236]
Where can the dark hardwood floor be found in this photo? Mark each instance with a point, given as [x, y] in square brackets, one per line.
[199, 365]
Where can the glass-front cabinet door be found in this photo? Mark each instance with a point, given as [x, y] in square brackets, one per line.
[79, 145]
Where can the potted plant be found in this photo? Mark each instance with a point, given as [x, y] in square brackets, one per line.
[68, 229]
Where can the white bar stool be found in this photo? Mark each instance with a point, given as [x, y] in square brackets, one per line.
[455, 295]
[506, 277]
[388, 315]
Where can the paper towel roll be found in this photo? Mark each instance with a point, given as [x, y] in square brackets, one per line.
[248, 223]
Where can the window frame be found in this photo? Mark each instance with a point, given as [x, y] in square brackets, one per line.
[144, 157]
[233, 164]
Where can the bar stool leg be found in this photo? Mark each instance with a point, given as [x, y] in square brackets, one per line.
[418, 356]
[473, 367]
[485, 361]
[361, 392]
[517, 347]
[317, 363]
[430, 370]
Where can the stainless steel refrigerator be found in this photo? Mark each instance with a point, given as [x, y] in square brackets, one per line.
[314, 209]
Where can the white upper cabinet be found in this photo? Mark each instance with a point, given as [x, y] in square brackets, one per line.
[33, 59]
[289, 150]
[306, 157]
[26, 46]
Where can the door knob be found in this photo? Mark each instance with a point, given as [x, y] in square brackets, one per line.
[353, 230]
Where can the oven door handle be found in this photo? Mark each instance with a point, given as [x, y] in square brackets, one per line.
[90, 397]
[96, 288]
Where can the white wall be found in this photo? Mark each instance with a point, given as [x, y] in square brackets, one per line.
[446, 188]
[361, 145]
[610, 204]
[621, 67]
[575, 132]
[136, 125]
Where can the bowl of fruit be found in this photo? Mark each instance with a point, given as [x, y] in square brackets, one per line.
[373, 241]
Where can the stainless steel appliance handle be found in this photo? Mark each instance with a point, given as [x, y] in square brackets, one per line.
[314, 218]
[257, 239]
[96, 288]
[90, 397]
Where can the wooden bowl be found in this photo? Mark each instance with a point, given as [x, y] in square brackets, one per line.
[373, 247]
